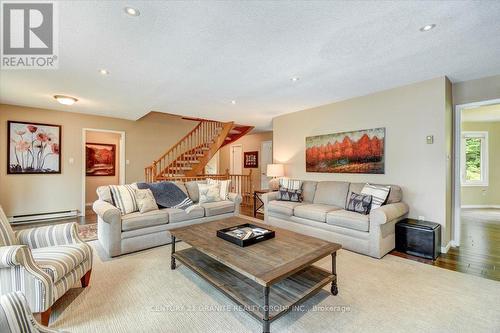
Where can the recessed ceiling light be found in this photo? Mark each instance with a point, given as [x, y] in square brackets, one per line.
[104, 71]
[233, 102]
[132, 11]
[66, 100]
[427, 27]
[295, 78]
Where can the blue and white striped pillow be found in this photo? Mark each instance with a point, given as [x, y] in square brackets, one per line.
[124, 198]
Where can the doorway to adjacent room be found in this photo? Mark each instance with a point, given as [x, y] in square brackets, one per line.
[103, 162]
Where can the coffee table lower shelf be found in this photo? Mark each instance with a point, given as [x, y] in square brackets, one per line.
[283, 295]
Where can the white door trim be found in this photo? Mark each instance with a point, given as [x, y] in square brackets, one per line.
[122, 164]
[457, 178]
[263, 170]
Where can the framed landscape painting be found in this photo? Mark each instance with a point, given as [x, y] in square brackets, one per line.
[347, 152]
[33, 148]
[100, 159]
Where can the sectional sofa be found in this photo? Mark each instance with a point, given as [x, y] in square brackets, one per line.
[322, 215]
[119, 234]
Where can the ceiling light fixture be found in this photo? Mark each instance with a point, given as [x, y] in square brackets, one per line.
[66, 100]
[427, 27]
[132, 11]
[295, 78]
[233, 102]
[104, 71]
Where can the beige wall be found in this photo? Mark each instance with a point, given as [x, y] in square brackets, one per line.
[476, 90]
[249, 142]
[485, 195]
[93, 182]
[409, 114]
[146, 139]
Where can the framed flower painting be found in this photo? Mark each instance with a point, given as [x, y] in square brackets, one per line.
[33, 148]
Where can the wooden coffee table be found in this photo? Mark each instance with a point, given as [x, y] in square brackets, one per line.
[266, 278]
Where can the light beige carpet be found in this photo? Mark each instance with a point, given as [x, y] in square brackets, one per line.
[139, 293]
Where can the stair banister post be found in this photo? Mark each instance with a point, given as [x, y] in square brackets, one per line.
[154, 170]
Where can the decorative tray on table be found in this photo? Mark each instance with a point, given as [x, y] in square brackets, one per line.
[245, 234]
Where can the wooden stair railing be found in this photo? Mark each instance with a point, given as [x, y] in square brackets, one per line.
[189, 155]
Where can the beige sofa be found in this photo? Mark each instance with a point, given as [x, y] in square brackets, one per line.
[322, 215]
[119, 234]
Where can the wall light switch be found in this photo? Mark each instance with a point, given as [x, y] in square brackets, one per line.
[127, 162]
[429, 139]
[421, 218]
[71, 160]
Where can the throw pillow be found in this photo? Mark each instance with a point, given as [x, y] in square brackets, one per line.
[359, 203]
[145, 200]
[224, 187]
[292, 184]
[209, 193]
[379, 194]
[124, 198]
[290, 190]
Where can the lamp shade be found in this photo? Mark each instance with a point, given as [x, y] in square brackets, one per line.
[275, 170]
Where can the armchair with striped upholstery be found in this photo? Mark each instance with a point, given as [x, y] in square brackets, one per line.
[43, 263]
[16, 317]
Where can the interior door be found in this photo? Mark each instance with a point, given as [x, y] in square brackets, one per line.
[236, 165]
[266, 158]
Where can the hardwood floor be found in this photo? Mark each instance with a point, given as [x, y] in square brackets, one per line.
[479, 251]
[247, 209]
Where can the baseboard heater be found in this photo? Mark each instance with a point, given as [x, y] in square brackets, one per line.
[28, 218]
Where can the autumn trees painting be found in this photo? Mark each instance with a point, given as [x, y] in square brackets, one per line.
[347, 152]
[100, 159]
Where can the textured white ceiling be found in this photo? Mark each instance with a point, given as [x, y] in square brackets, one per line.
[482, 113]
[193, 58]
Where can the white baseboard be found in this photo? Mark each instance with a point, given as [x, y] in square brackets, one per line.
[444, 249]
[479, 206]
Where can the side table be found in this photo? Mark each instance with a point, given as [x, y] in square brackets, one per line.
[257, 201]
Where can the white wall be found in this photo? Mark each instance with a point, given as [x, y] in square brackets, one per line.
[409, 114]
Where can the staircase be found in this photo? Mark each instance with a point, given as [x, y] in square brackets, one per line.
[188, 157]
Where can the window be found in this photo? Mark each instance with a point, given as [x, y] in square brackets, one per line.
[475, 159]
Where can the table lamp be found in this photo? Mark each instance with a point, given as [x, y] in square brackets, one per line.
[275, 171]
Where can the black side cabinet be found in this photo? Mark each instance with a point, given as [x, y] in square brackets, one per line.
[418, 238]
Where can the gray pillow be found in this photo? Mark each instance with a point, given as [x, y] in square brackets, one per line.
[192, 189]
[209, 192]
[145, 200]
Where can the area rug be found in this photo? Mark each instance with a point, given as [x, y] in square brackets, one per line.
[87, 232]
[139, 293]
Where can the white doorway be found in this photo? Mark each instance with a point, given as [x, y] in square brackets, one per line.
[236, 164]
[236, 160]
[463, 179]
[266, 158]
[89, 183]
